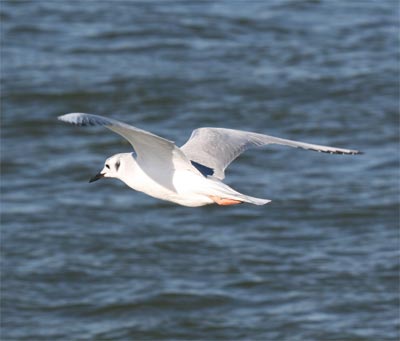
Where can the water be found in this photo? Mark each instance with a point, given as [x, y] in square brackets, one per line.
[101, 262]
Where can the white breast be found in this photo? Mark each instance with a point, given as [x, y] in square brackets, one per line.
[187, 188]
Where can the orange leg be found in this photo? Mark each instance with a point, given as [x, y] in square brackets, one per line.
[224, 201]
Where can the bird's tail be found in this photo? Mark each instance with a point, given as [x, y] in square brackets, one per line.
[254, 200]
[224, 191]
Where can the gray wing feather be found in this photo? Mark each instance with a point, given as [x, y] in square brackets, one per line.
[218, 147]
[153, 152]
[136, 137]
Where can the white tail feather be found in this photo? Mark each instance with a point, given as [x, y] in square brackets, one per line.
[224, 191]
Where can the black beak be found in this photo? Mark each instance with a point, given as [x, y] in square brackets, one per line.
[97, 177]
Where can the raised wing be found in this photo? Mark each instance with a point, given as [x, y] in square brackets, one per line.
[216, 148]
[154, 153]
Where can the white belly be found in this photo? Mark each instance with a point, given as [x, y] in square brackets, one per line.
[191, 189]
[186, 187]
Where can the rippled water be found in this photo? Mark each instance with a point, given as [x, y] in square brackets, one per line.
[99, 261]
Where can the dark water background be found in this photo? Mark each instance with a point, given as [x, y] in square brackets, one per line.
[101, 262]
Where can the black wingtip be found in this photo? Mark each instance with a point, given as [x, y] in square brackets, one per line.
[338, 152]
[84, 120]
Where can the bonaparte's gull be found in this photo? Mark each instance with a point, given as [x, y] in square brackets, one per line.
[190, 175]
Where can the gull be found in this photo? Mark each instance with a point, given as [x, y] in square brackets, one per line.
[190, 175]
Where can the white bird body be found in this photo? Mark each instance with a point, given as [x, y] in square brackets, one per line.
[190, 188]
[191, 175]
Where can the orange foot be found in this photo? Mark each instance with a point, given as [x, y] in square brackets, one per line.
[224, 201]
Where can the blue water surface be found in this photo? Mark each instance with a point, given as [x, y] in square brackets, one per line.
[99, 261]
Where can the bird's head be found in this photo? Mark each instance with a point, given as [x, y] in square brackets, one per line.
[114, 167]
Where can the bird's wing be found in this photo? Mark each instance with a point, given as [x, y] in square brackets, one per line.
[157, 156]
[216, 148]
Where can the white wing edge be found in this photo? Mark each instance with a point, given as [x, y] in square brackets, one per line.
[83, 120]
[311, 146]
[249, 140]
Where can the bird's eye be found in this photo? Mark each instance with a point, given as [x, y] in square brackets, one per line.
[117, 165]
[107, 166]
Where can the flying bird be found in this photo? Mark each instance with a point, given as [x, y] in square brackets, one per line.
[190, 175]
